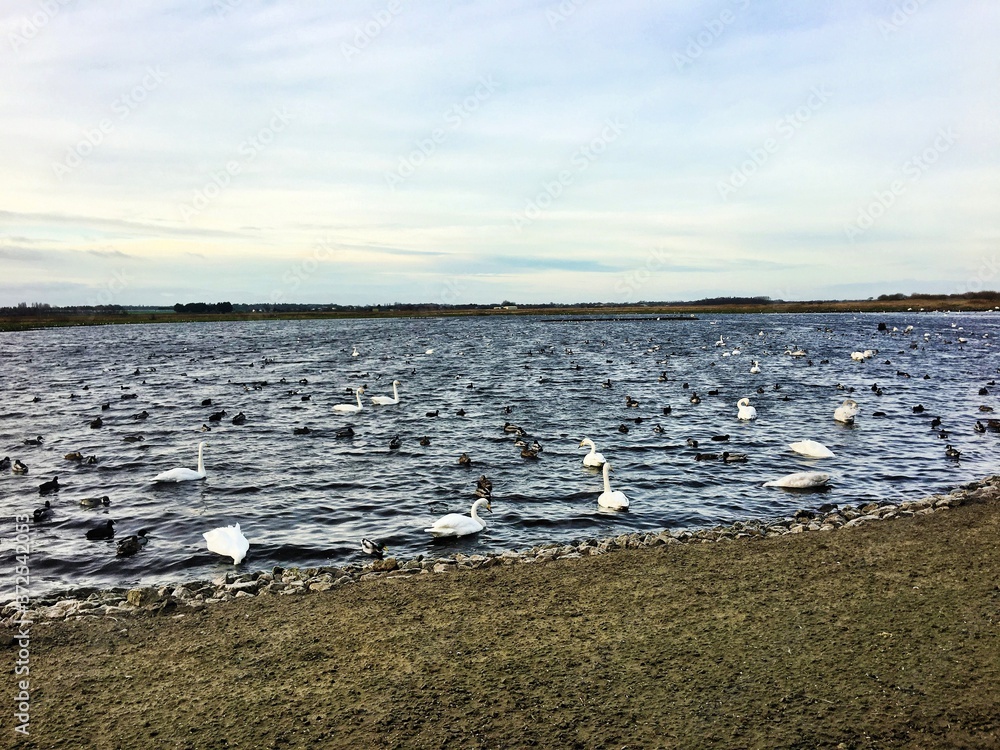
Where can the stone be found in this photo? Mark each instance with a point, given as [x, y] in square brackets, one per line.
[142, 597]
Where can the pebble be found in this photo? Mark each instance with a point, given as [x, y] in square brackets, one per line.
[119, 603]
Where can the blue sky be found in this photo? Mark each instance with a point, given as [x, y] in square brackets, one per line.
[373, 152]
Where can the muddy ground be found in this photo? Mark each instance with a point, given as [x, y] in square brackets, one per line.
[882, 636]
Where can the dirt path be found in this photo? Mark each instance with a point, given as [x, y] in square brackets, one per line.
[884, 635]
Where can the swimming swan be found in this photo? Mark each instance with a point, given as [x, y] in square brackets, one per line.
[228, 541]
[614, 500]
[847, 411]
[455, 524]
[388, 400]
[812, 449]
[351, 408]
[182, 474]
[800, 480]
[746, 411]
[593, 458]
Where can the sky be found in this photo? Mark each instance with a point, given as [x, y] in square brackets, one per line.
[257, 151]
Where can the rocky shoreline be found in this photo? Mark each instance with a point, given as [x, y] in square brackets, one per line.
[179, 598]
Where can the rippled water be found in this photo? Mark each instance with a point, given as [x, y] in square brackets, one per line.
[309, 499]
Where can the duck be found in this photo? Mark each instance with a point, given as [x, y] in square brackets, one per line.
[623, 429]
[952, 452]
[141, 415]
[464, 460]
[433, 413]
[94, 502]
[351, 408]
[658, 429]
[44, 513]
[706, 457]
[301, 430]
[612, 500]
[631, 403]
[71, 456]
[217, 416]
[425, 441]
[484, 487]
[184, 474]
[527, 452]
[979, 426]
[137, 438]
[395, 443]
[606, 383]
[918, 409]
[5, 463]
[105, 531]
[800, 480]
[695, 398]
[593, 458]
[49, 487]
[720, 438]
[691, 443]
[667, 410]
[34, 441]
[206, 402]
[130, 545]
[456, 524]
[205, 428]
[240, 418]
[228, 541]
[846, 412]
[375, 549]
[746, 412]
[96, 423]
[734, 458]
[345, 432]
[18, 467]
[511, 428]
[388, 400]
[812, 449]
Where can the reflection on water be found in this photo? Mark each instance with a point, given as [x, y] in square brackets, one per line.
[308, 499]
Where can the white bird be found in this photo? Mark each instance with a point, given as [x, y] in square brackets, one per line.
[388, 400]
[800, 480]
[455, 524]
[355, 353]
[182, 474]
[593, 458]
[846, 411]
[746, 411]
[720, 342]
[812, 449]
[429, 352]
[351, 408]
[858, 356]
[755, 368]
[614, 500]
[228, 541]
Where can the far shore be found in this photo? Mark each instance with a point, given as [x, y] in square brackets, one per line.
[53, 317]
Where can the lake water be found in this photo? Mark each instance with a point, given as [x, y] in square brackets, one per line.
[307, 500]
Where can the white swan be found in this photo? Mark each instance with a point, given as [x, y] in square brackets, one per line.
[228, 541]
[388, 400]
[847, 411]
[183, 474]
[455, 524]
[593, 458]
[614, 500]
[755, 368]
[355, 353]
[351, 408]
[746, 411]
[720, 342]
[812, 449]
[800, 480]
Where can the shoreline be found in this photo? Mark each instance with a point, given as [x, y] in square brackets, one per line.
[186, 594]
[877, 635]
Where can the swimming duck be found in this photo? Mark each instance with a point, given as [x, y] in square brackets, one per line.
[952, 452]
[425, 441]
[464, 460]
[93, 502]
[34, 441]
[623, 429]
[732, 458]
[695, 399]
[301, 430]
[375, 549]
[240, 418]
[658, 429]
[395, 443]
[706, 457]
[73, 456]
[18, 467]
[96, 423]
[432, 413]
[5, 463]
[137, 438]
[141, 415]
[46, 488]
[345, 432]
[217, 416]
[43, 513]
[104, 531]
[691, 442]
[132, 544]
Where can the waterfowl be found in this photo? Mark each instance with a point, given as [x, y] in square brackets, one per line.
[228, 541]
[183, 474]
[388, 400]
[464, 460]
[979, 426]
[484, 487]
[720, 438]
[695, 399]
[141, 415]
[93, 502]
[240, 418]
[217, 416]
[71, 456]
[510, 428]
[952, 452]
[137, 438]
[706, 457]
[46, 488]
[301, 430]
[613, 500]
[351, 408]
[606, 383]
[18, 467]
[456, 524]
[206, 402]
[528, 453]
[132, 544]
[425, 441]
[658, 429]
[345, 432]
[800, 480]
[432, 413]
[34, 441]
[5, 463]
[105, 531]
[593, 458]
[918, 409]
[846, 412]
[666, 411]
[623, 429]
[692, 443]
[205, 428]
[96, 423]
[43, 513]
[733, 458]
[355, 352]
[631, 403]
[375, 549]
[460, 412]
[812, 449]
[755, 368]
[746, 412]
[395, 443]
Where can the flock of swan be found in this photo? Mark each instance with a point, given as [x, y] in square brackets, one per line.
[229, 541]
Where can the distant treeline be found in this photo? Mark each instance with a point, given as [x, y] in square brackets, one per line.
[204, 308]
